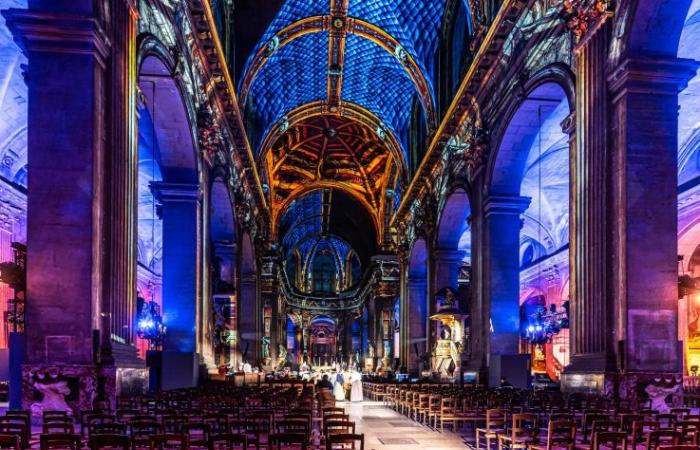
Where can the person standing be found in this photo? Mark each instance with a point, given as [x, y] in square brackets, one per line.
[356, 387]
[339, 388]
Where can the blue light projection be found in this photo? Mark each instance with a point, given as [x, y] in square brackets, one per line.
[150, 226]
[294, 75]
[414, 23]
[13, 104]
[372, 77]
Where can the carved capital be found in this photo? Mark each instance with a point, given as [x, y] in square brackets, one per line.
[478, 148]
[48, 32]
[581, 16]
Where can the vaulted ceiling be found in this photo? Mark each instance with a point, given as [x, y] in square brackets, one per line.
[330, 91]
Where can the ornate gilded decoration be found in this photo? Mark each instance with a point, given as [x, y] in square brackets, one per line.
[579, 15]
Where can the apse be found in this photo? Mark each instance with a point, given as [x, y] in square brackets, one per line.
[325, 252]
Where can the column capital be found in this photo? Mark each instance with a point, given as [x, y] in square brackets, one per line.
[649, 76]
[176, 192]
[505, 204]
[44, 31]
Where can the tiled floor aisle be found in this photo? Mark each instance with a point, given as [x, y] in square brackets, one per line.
[384, 428]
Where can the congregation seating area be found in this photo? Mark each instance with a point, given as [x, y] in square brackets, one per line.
[218, 416]
[508, 418]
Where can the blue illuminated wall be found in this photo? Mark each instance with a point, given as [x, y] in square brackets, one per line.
[13, 152]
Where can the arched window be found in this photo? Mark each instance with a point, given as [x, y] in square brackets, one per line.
[324, 273]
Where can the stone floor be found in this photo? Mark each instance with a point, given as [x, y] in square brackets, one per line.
[384, 428]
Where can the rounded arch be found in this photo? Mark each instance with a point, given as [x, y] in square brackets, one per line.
[652, 27]
[520, 127]
[222, 222]
[162, 95]
[452, 223]
[418, 260]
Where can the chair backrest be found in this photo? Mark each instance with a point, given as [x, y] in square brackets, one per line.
[338, 427]
[50, 428]
[663, 437]
[228, 441]
[293, 426]
[101, 441]
[18, 429]
[561, 433]
[161, 441]
[612, 440]
[59, 440]
[106, 428]
[524, 425]
[10, 441]
[335, 440]
[495, 418]
[286, 440]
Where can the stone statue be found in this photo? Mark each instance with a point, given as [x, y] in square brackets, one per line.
[265, 347]
[370, 350]
[281, 356]
[53, 390]
[657, 395]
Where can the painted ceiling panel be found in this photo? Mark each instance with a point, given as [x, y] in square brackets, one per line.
[374, 79]
[294, 75]
[414, 23]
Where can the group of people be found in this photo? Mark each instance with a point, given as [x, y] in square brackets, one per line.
[337, 382]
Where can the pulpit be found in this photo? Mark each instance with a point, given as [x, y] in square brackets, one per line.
[446, 358]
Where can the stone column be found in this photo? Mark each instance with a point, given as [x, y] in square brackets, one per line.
[249, 317]
[416, 307]
[502, 280]
[181, 273]
[643, 219]
[67, 56]
[592, 320]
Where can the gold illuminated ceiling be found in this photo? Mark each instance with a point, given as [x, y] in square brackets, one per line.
[329, 151]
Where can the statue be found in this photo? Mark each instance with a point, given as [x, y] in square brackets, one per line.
[53, 390]
[370, 350]
[657, 395]
[446, 333]
[281, 356]
[266, 347]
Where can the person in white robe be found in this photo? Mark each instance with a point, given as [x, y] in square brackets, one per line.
[339, 388]
[356, 387]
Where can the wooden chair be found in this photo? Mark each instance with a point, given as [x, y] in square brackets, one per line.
[641, 430]
[338, 427]
[657, 438]
[588, 419]
[10, 441]
[228, 441]
[168, 441]
[610, 440]
[141, 432]
[447, 413]
[59, 440]
[495, 425]
[17, 429]
[109, 441]
[58, 427]
[338, 441]
[279, 441]
[523, 432]
[560, 434]
[197, 433]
